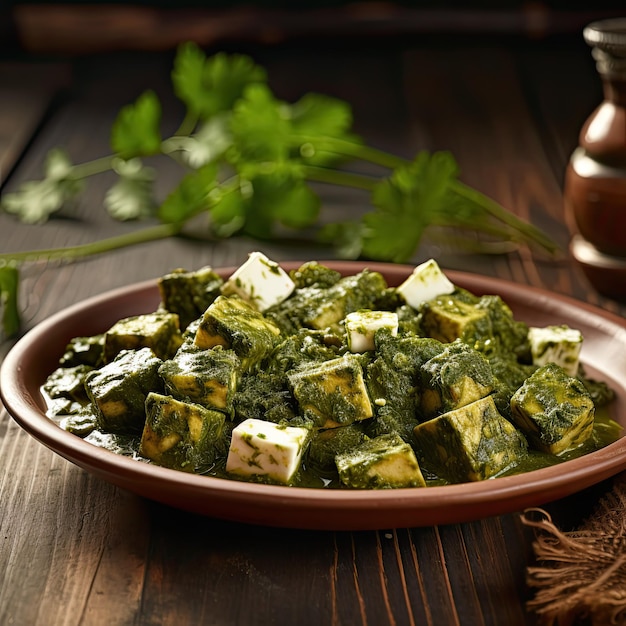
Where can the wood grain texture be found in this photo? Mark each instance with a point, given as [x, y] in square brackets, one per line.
[27, 92]
[76, 551]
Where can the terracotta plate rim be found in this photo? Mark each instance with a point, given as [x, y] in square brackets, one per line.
[36, 353]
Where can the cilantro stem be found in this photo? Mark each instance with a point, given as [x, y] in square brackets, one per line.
[154, 233]
[520, 230]
[514, 228]
[9, 280]
[188, 125]
[201, 192]
[499, 230]
[90, 168]
[339, 177]
[497, 211]
[352, 149]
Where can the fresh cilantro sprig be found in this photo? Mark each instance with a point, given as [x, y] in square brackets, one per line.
[247, 163]
[9, 280]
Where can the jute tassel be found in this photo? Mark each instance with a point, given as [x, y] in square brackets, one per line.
[581, 575]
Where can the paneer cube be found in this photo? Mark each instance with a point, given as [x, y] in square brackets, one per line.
[118, 390]
[426, 282]
[361, 327]
[206, 377]
[332, 393]
[259, 281]
[453, 378]
[386, 462]
[159, 331]
[351, 293]
[447, 318]
[498, 333]
[324, 307]
[554, 410]
[556, 344]
[233, 323]
[471, 443]
[181, 435]
[189, 294]
[263, 449]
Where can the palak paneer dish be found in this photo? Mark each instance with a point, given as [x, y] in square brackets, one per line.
[315, 379]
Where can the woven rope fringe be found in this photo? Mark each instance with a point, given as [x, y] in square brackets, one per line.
[581, 574]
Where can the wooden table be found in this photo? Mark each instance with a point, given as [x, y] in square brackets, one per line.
[76, 550]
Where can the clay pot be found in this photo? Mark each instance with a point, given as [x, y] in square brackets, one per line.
[595, 179]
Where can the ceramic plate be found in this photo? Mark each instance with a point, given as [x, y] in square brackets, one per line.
[604, 356]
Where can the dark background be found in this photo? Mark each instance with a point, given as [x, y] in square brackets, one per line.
[74, 27]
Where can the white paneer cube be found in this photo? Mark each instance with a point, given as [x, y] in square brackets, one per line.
[556, 344]
[361, 326]
[425, 283]
[260, 281]
[260, 448]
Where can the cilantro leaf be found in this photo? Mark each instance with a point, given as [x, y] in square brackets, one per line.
[190, 197]
[235, 126]
[320, 117]
[58, 165]
[317, 114]
[265, 197]
[260, 127]
[208, 144]
[9, 281]
[213, 85]
[228, 212]
[406, 203]
[280, 197]
[34, 201]
[136, 130]
[131, 196]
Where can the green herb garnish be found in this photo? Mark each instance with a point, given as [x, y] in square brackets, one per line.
[248, 160]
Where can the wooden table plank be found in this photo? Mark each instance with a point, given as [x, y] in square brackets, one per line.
[27, 91]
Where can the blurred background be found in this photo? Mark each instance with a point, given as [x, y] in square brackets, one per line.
[504, 85]
[77, 27]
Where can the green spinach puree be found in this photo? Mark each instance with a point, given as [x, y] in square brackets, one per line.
[448, 394]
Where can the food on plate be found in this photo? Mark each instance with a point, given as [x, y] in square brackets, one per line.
[469, 443]
[260, 448]
[181, 434]
[553, 409]
[332, 393]
[387, 461]
[188, 294]
[234, 324]
[556, 344]
[312, 378]
[159, 331]
[205, 377]
[118, 390]
[457, 376]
